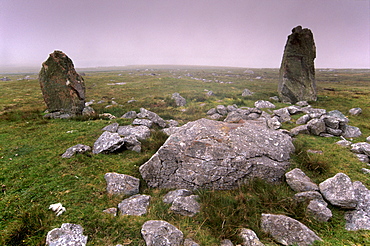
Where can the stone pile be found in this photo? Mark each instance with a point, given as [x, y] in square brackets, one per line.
[117, 138]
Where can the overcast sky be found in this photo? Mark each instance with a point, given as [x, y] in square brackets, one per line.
[241, 33]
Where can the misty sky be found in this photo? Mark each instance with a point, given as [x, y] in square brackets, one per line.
[241, 33]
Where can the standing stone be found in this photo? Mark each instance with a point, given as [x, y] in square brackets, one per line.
[297, 71]
[62, 87]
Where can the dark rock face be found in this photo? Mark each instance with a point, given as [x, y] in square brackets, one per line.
[63, 88]
[297, 71]
[218, 155]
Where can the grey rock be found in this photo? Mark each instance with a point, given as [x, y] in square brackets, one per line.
[172, 123]
[344, 143]
[303, 119]
[294, 109]
[297, 70]
[88, 111]
[352, 132]
[264, 104]
[368, 139]
[107, 143]
[112, 211]
[361, 148]
[249, 238]
[359, 219]
[334, 132]
[365, 170]
[302, 129]
[355, 111]
[62, 87]
[287, 231]
[190, 242]
[363, 158]
[337, 114]
[273, 122]
[221, 109]
[143, 122]
[247, 93]
[134, 205]
[215, 116]
[231, 108]
[315, 112]
[302, 103]
[186, 205]
[319, 211]
[212, 111]
[68, 234]
[243, 114]
[299, 181]
[307, 196]
[111, 128]
[218, 155]
[77, 149]
[283, 114]
[275, 98]
[121, 184]
[179, 100]
[316, 126]
[210, 93]
[144, 113]
[172, 195]
[339, 191]
[129, 115]
[131, 143]
[159, 232]
[140, 132]
[226, 242]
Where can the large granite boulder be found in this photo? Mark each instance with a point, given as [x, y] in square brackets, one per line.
[218, 155]
[67, 234]
[62, 87]
[297, 71]
[287, 231]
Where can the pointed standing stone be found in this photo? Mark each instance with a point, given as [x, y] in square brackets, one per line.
[297, 71]
[62, 87]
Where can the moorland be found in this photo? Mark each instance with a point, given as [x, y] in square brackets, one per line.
[33, 174]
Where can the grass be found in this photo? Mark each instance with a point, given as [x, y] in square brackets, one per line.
[33, 174]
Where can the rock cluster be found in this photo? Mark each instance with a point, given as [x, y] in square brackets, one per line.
[62, 87]
[297, 70]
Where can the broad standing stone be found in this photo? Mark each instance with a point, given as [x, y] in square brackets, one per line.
[62, 87]
[297, 71]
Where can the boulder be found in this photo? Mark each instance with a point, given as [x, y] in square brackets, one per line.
[299, 181]
[221, 109]
[67, 234]
[111, 128]
[121, 184]
[316, 126]
[134, 205]
[302, 129]
[282, 114]
[179, 100]
[359, 219]
[249, 238]
[297, 70]
[307, 196]
[77, 149]
[107, 143]
[361, 148]
[131, 143]
[144, 113]
[218, 155]
[172, 195]
[319, 211]
[352, 132]
[62, 87]
[287, 231]
[159, 232]
[186, 205]
[129, 115]
[140, 132]
[264, 104]
[303, 119]
[143, 122]
[339, 191]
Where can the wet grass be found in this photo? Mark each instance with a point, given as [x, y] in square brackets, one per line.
[33, 174]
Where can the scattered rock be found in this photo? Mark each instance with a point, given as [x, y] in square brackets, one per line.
[355, 111]
[339, 191]
[344, 143]
[140, 132]
[287, 231]
[319, 211]
[303, 119]
[247, 93]
[352, 132]
[226, 242]
[112, 211]
[143, 122]
[316, 126]
[158, 232]
[307, 196]
[107, 143]
[172, 195]
[121, 184]
[249, 238]
[186, 205]
[130, 115]
[179, 100]
[299, 181]
[221, 109]
[144, 113]
[67, 234]
[111, 128]
[134, 205]
[264, 104]
[217, 155]
[77, 149]
[62, 87]
[297, 71]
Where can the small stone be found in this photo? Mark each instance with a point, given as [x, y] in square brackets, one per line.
[226, 242]
[121, 184]
[249, 238]
[319, 211]
[190, 242]
[111, 128]
[187, 206]
[172, 195]
[352, 132]
[355, 111]
[77, 149]
[344, 143]
[107, 143]
[299, 181]
[303, 119]
[67, 234]
[247, 93]
[159, 232]
[129, 115]
[134, 205]
[264, 104]
[307, 196]
[143, 122]
[112, 211]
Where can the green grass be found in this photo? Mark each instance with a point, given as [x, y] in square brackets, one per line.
[33, 174]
